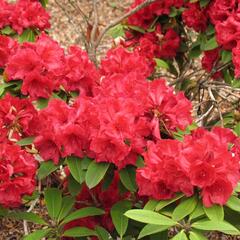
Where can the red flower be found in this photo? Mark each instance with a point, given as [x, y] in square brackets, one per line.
[236, 59]
[219, 11]
[218, 193]
[17, 172]
[228, 32]
[18, 116]
[7, 48]
[80, 73]
[29, 14]
[194, 17]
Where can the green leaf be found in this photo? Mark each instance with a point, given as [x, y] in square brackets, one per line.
[150, 229]
[204, 3]
[45, 169]
[95, 173]
[75, 167]
[234, 203]
[161, 63]
[237, 129]
[226, 56]
[27, 36]
[136, 28]
[164, 203]
[198, 211]
[79, 232]
[151, 205]
[25, 141]
[185, 208]
[73, 186]
[193, 235]
[210, 44]
[180, 236]
[221, 226]
[28, 216]
[38, 234]
[150, 217]
[42, 103]
[67, 205]
[82, 213]
[44, 3]
[215, 212]
[102, 233]
[117, 31]
[119, 220]
[53, 199]
[3, 211]
[195, 52]
[128, 178]
[7, 30]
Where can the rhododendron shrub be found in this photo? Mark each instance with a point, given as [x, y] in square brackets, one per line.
[98, 143]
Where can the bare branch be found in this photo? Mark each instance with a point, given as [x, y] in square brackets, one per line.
[95, 24]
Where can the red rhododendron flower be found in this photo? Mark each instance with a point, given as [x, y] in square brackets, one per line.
[18, 116]
[194, 17]
[210, 60]
[219, 11]
[144, 17]
[80, 73]
[202, 160]
[29, 14]
[7, 48]
[236, 59]
[228, 32]
[39, 65]
[17, 172]
[6, 10]
[121, 61]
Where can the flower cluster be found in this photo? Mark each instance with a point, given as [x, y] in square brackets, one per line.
[23, 14]
[204, 160]
[114, 124]
[43, 67]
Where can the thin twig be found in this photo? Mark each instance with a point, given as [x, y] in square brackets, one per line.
[95, 24]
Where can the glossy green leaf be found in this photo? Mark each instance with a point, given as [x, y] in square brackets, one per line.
[237, 129]
[128, 178]
[215, 212]
[150, 229]
[79, 232]
[102, 233]
[226, 56]
[210, 44]
[221, 226]
[95, 173]
[27, 36]
[161, 63]
[74, 187]
[82, 213]
[53, 199]
[119, 220]
[185, 208]
[75, 167]
[193, 235]
[180, 236]
[45, 169]
[164, 203]
[28, 216]
[67, 205]
[25, 141]
[234, 203]
[198, 211]
[38, 234]
[149, 217]
[151, 205]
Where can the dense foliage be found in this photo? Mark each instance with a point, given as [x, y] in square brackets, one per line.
[115, 149]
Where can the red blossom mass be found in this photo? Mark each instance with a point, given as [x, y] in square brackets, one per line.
[23, 14]
[203, 161]
[17, 175]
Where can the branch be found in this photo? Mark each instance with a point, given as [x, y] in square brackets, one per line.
[95, 24]
[120, 19]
